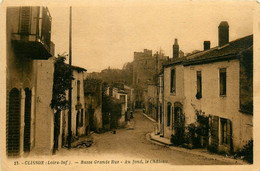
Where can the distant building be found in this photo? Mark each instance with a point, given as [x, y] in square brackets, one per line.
[150, 102]
[145, 66]
[130, 98]
[78, 110]
[121, 97]
[93, 104]
[29, 81]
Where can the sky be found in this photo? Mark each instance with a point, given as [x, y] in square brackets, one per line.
[107, 33]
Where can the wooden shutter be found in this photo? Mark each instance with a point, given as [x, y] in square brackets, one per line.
[215, 129]
[229, 135]
[25, 20]
[13, 120]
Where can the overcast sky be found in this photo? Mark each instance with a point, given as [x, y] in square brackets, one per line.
[107, 34]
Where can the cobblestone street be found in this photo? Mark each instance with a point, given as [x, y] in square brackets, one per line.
[132, 144]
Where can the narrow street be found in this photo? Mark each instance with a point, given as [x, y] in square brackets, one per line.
[132, 144]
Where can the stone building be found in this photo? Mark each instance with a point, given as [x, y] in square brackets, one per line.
[216, 83]
[150, 100]
[145, 67]
[219, 83]
[93, 104]
[173, 96]
[130, 98]
[29, 81]
[78, 111]
[121, 98]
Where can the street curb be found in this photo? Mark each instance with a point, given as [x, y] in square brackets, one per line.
[149, 118]
[206, 155]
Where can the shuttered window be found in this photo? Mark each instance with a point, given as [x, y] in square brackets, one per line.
[25, 20]
[226, 131]
[214, 132]
[13, 123]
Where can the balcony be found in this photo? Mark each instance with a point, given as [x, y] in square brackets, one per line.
[33, 39]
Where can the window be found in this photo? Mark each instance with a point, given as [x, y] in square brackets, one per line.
[223, 81]
[78, 90]
[122, 98]
[199, 85]
[224, 131]
[168, 114]
[173, 81]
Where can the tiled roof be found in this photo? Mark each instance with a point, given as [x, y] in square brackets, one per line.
[228, 51]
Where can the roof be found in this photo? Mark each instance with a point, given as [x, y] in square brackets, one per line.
[79, 69]
[121, 92]
[174, 62]
[226, 52]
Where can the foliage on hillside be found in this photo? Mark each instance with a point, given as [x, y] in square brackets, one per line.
[109, 75]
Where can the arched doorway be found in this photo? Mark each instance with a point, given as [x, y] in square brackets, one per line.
[27, 120]
[77, 122]
[13, 123]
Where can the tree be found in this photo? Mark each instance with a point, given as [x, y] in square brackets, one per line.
[61, 83]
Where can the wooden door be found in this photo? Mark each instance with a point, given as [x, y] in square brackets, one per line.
[27, 120]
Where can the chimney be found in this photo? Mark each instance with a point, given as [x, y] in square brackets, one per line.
[223, 33]
[175, 48]
[206, 45]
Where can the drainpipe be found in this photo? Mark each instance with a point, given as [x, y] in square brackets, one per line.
[162, 133]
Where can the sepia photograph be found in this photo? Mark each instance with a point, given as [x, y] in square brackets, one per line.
[129, 85]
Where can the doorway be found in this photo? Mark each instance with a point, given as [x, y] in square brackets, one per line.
[27, 120]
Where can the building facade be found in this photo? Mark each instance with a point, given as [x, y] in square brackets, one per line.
[216, 84]
[151, 100]
[29, 75]
[224, 92]
[93, 104]
[78, 115]
[173, 97]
